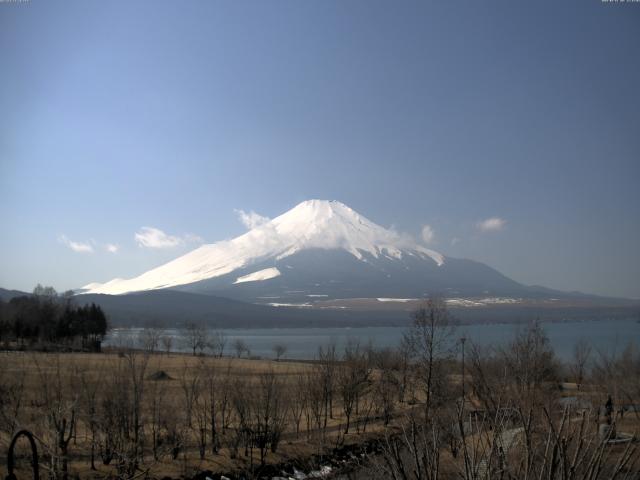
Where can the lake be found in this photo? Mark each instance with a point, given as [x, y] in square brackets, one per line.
[302, 343]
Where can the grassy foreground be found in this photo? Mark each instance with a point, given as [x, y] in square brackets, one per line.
[174, 415]
[512, 411]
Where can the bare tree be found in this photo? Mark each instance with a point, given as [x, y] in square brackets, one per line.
[521, 374]
[61, 403]
[279, 349]
[114, 413]
[167, 343]
[316, 405]
[212, 386]
[136, 366]
[581, 355]
[241, 401]
[269, 413]
[195, 337]
[218, 343]
[352, 378]
[298, 400]
[490, 383]
[202, 409]
[327, 360]
[533, 444]
[387, 384]
[403, 369]
[430, 342]
[619, 374]
[149, 339]
[190, 386]
[121, 419]
[539, 444]
[414, 454]
[530, 366]
[91, 390]
[240, 347]
[12, 392]
[157, 413]
[629, 365]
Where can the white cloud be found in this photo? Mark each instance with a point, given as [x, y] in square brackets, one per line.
[428, 234]
[151, 237]
[251, 219]
[76, 246]
[455, 241]
[492, 224]
[193, 238]
[111, 248]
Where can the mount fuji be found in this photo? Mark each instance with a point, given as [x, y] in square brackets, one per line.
[317, 252]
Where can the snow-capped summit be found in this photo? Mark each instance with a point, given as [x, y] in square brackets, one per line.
[333, 225]
[309, 226]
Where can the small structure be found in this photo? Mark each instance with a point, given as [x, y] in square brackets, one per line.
[34, 455]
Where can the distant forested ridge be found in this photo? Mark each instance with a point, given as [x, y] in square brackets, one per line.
[47, 319]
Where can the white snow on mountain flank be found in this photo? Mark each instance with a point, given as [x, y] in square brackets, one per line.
[311, 224]
[260, 275]
[397, 300]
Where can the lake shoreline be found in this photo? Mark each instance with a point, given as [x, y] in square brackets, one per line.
[302, 343]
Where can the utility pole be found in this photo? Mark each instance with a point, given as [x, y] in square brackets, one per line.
[462, 341]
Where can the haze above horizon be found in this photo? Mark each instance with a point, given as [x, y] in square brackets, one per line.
[132, 132]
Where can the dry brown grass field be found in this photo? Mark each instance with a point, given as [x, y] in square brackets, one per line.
[175, 392]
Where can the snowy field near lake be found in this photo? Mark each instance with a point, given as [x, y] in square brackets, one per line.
[605, 336]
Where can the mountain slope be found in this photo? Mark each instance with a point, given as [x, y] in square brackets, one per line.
[314, 224]
[314, 274]
[6, 295]
[316, 251]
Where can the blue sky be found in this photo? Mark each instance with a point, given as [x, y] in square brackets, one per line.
[173, 115]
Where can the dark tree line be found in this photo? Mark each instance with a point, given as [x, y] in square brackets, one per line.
[49, 318]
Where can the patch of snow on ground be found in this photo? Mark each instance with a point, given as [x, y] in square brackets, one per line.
[324, 471]
[482, 302]
[494, 300]
[259, 276]
[298, 475]
[401, 300]
[463, 302]
[290, 304]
